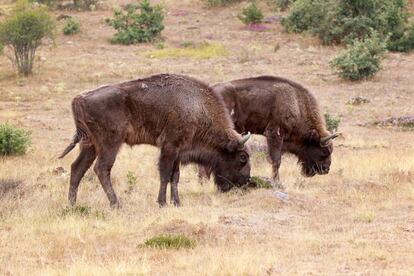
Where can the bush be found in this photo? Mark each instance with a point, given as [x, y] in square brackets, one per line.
[175, 242]
[24, 30]
[281, 4]
[332, 122]
[13, 141]
[404, 43]
[341, 21]
[251, 14]
[133, 27]
[85, 4]
[72, 26]
[361, 59]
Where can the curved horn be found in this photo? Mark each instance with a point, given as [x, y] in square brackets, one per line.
[245, 138]
[326, 139]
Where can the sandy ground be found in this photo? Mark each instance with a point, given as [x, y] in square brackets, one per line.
[359, 219]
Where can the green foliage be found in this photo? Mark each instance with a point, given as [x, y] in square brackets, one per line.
[341, 21]
[24, 30]
[219, 3]
[281, 4]
[361, 59]
[131, 179]
[13, 140]
[82, 211]
[50, 3]
[405, 43]
[251, 14]
[258, 182]
[169, 241]
[72, 26]
[133, 27]
[85, 4]
[332, 122]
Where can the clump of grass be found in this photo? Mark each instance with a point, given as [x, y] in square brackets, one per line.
[258, 182]
[169, 242]
[81, 211]
[365, 217]
[131, 178]
[8, 185]
[202, 51]
[332, 122]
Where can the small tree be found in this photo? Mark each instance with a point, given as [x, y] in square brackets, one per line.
[24, 30]
[133, 27]
[251, 14]
[13, 140]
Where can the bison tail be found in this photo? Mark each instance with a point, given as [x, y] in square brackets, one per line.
[76, 138]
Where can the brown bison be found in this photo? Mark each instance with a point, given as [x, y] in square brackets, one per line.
[286, 113]
[178, 114]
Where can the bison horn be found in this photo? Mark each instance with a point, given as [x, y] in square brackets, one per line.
[326, 139]
[245, 138]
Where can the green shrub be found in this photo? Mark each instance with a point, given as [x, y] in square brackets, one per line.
[13, 140]
[133, 27]
[332, 122]
[72, 26]
[361, 59]
[251, 14]
[341, 21]
[131, 179]
[281, 4]
[50, 3]
[404, 43]
[169, 241]
[24, 30]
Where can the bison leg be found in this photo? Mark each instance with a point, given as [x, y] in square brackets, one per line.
[175, 199]
[274, 144]
[169, 156]
[203, 172]
[78, 169]
[102, 169]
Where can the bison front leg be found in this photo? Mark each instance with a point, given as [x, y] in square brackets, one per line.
[102, 169]
[275, 143]
[175, 199]
[169, 155]
[78, 169]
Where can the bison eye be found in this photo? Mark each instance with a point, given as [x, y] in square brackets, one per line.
[243, 159]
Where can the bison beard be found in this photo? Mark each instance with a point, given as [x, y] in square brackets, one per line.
[286, 113]
[178, 114]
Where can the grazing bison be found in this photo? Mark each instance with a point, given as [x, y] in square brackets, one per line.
[286, 113]
[178, 114]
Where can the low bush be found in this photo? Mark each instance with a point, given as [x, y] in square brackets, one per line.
[332, 122]
[136, 27]
[361, 59]
[251, 14]
[169, 241]
[72, 26]
[281, 4]
[341, 21]
[13, 141]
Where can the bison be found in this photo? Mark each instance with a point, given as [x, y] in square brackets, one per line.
[286, 113]
[178, 114]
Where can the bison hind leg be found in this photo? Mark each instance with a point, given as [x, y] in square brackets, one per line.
[78, 169]
[169, 172]
[103, 166]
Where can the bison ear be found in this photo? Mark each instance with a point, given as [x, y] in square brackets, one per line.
[313, 136]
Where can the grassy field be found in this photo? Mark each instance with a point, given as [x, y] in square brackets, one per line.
[359, 219]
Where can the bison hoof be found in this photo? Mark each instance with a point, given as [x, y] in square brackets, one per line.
[162, 204]
[115, 205]
[176, 203]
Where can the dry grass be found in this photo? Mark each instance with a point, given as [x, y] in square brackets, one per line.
[359, 219]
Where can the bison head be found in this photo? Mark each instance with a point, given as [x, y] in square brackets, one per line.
[315, 154]
[233, 168]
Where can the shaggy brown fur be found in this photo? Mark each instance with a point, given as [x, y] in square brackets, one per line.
[286, 113]
[178, 114]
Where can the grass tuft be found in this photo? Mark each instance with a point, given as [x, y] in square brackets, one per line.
[202, 51]
[169, 241]
[81, 211]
